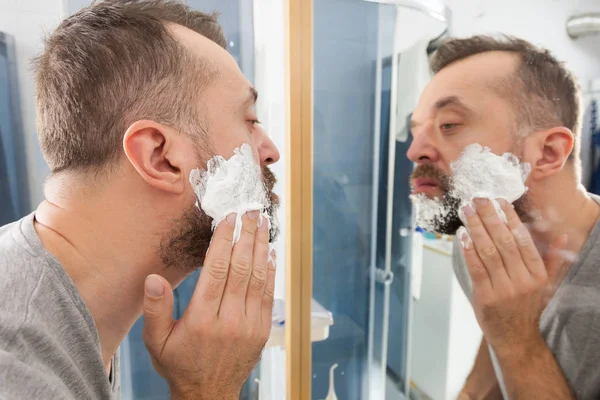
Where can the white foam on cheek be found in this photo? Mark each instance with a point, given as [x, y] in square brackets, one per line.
[230, 186]
[479, 173]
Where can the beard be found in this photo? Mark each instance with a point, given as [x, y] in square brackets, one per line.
[186, 244]
[449, 223]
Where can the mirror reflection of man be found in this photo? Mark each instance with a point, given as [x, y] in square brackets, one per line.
[538, 308]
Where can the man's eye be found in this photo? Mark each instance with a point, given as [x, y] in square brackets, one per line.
[447, 127]
[254, 121]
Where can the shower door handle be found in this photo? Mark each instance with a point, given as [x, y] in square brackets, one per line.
[384, 277]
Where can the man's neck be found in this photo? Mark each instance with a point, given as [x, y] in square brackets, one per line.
[108, 255]
[572, 212]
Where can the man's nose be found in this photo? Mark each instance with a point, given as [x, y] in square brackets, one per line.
[268, 152]
[422, 150]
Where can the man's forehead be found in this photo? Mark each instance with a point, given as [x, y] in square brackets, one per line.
[481, 70]
[229, 78]
[469, 79]
[203, 47]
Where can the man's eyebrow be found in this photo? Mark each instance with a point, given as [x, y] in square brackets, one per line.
[443, 103]
[451, 101]
[252, 97]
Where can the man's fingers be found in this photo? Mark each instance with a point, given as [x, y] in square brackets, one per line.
[503, 238]
[213, 278]
[269, 295]
[158, 314]
[529, 252]
[234, 297]
[258, 276]
[485, 248]
[477, 271]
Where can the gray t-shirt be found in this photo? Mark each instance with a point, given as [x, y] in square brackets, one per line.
[570, 324]
[49, 346]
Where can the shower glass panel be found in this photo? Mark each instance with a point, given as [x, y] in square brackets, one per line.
[363, 219]
[352, 82]
[14, 194]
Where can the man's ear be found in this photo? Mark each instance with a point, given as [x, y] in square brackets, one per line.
[548, 151]
[152, 150]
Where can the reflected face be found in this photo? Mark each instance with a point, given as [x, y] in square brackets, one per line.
[228, 106]
[461, 105]
[434, 183]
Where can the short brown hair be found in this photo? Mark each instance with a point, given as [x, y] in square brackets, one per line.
[543, 92]
[111, 64]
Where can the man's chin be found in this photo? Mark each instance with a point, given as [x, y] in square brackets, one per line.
[437, 214]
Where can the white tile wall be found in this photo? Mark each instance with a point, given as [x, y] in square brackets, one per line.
[541, 22]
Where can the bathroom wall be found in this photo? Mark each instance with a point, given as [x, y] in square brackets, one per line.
[541, 22]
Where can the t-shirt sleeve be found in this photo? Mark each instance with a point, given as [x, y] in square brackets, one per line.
[21, 381]
[461, 271]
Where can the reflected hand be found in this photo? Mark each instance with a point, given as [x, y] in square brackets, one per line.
[512, 283]
[212, 349]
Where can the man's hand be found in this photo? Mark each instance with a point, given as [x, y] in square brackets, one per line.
[212, 349]
[512, 285]
[511, 281]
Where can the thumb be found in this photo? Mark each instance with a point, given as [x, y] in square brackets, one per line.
[158, 313]
[556, 260]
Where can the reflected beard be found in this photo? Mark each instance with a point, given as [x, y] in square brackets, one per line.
[269, 181]
[449, 223]
[186, 244]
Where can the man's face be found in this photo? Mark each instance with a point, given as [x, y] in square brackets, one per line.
[229, 107]
[461, 106]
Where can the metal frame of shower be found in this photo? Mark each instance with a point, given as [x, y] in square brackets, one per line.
[299, 195]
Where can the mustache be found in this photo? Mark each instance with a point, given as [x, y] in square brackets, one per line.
[269, 181]
[430, 171]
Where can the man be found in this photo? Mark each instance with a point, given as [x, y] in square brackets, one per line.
[131, 96]
[538, 310]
